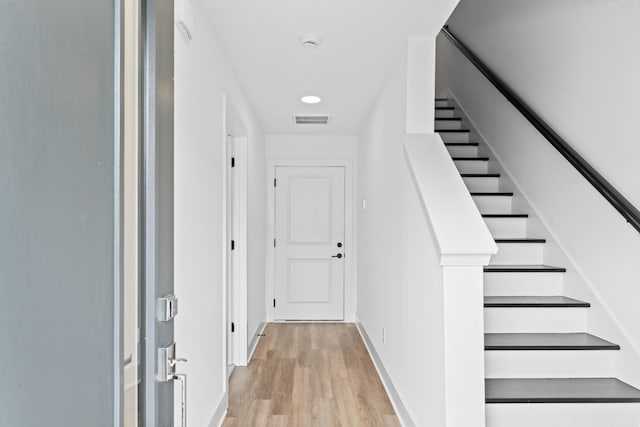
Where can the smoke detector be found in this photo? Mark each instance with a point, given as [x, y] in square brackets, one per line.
[310, 41]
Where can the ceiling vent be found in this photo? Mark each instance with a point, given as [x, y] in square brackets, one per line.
[306, 119]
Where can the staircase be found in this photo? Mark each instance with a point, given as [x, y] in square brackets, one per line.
[542, 367]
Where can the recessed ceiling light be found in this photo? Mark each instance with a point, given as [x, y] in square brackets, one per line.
[311, 99]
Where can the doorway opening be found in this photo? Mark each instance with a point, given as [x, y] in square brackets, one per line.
[235, 242]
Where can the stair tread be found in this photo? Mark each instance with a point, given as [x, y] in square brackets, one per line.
[559, 390]
[546, 341]
[494, 193]
[461, 144]
[480, 175]
[520, 240]
[448, 119]
[452, 130]
[533, 268]
[533, 301]
[471, 159]
[442, 99]
[445, 108]
[505, 215]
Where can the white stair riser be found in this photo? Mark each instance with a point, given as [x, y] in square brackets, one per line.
[463, 151]
[445, 113]
[480, 185]
[518, 253]
[493, 204]
[535, 319]
[507, 227]
[455, 136]
[472, 166]
[522, 284]
[549, 363]
[444, 103]
[448, 124]
[563, 415]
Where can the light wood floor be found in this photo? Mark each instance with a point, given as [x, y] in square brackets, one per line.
[309, 374]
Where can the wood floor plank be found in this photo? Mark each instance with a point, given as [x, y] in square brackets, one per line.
[309, 374]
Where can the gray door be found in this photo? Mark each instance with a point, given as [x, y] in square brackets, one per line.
[60, 210]
[157, 208]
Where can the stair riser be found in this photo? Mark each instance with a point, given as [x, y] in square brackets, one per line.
[549, 363]
[518, 253]
[522, 284]
[448, 124]
[455, 136]
[534, 319]
[493, 204]
[563, 415]
[472, 166]
[507, 227]
[482, 185]
[445, 114]
[442, 104]
[457, 151]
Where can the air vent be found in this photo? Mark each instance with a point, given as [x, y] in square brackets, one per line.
[311, 119]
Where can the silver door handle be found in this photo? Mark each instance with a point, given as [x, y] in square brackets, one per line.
[182, 378]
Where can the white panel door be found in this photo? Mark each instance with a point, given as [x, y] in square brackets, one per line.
[309, 252]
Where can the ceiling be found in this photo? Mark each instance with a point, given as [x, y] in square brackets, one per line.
[362, 40]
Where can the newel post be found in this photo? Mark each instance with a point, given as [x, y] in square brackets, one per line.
[464, 339]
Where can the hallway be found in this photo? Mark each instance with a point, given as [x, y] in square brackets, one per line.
[309, 374]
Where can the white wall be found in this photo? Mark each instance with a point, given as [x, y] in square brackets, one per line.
[399, 289]
[320, 147]
[572, 61]
[202, 75]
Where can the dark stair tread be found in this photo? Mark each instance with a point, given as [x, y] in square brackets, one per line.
[505, 215]
[534, 268]
[496, 193]
[546, 341]
[462, 144]
[449, 119]
[521, 240]
[559, 390]
[480, 175]
[533, 301]
[445, 108]
[471, 159]
[452, 130]
[442, 99]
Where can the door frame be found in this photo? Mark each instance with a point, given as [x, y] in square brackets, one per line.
[350, 290]
[235, 282]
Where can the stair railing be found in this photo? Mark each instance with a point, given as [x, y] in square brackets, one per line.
[604, 187]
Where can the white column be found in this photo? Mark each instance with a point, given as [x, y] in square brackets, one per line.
[464, 343]
[421, 82]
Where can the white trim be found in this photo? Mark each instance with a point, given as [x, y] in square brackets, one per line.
[221, 411]
[394, 397]
[256, 338]
[349, 232]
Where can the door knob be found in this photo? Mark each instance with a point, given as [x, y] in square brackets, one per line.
[336, 256]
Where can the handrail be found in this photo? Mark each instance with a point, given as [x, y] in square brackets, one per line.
[604, 187]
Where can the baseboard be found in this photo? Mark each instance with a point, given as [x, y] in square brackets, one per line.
[221, 411]
[256, 337]
[398, 406]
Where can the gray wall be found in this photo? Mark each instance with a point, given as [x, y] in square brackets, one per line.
[57, 198]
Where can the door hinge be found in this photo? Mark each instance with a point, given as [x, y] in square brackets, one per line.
[233, 162]
[233, 327]
[233, 245]
[274, 182]
[274, 302]
[274, 243]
